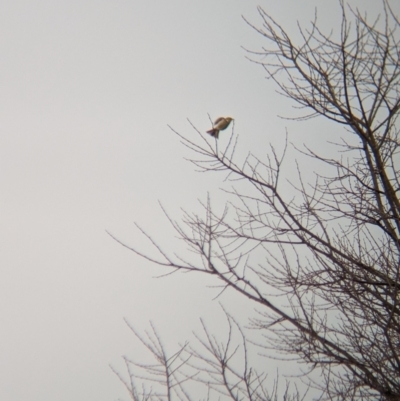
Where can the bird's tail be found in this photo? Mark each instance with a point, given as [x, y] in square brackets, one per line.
[213, 132]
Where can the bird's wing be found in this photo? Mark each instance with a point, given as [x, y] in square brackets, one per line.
[218, 120]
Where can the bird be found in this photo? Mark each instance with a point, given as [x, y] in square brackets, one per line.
[220, 124]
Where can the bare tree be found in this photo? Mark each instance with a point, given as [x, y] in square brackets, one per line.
[331, 249]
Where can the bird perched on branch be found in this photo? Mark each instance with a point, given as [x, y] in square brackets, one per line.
[220, 124]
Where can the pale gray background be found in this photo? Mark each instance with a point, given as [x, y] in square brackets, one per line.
[87, 90]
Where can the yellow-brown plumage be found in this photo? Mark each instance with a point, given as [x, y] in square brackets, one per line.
[220, 124]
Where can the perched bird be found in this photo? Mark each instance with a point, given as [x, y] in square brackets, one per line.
[220, 124]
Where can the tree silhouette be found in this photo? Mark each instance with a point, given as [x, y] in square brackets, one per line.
[331, 249]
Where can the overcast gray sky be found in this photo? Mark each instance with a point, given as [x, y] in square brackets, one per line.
[87, 90]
